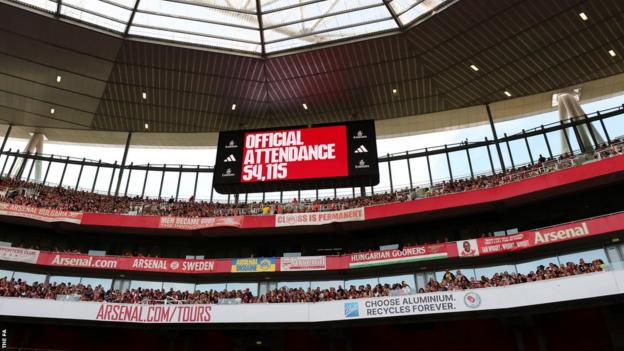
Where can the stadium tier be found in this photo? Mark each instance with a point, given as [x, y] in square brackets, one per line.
[273, 175]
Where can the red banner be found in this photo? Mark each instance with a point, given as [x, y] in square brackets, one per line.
[464, 248]
[318, 218]
[439, 203]
[533, 238]
[504, 192]
[145, 264]
[405, 255]
[39, 214]
[195, 223]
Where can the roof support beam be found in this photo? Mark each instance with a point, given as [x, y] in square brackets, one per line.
[260, 27]
[58, 8]
[394, 15]
[134, 10]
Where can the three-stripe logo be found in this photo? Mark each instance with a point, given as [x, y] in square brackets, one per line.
[230, 158]
[361, 150]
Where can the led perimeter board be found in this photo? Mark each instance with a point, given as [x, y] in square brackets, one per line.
[298, 158]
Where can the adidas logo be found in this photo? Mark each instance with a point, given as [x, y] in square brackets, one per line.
[230, 158]
[360, 150]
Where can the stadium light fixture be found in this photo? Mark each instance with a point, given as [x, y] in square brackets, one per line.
[583, 16]
[144, 95]
[474, 68]
[305, 106]
[507, 93]
[52, 111]
[58, 79]
[394, 91]
[612, 53]
[146, 126]
[233, 107]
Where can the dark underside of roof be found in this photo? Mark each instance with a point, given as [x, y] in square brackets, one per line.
[521, 46]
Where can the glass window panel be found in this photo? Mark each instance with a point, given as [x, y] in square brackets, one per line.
[29, 277]
[468, 272]
[459, 165]
[587, 256]
[136, 182]
[86, 179]
[169, 185]
[58, 279]
[208, 287]
[179, 286]
[419, 10]
[253, 287]
[384, 179]
[94, 19]
[104, 282]
[103, 180]
[488, 272]
[420, 173]
[400, 175]
[519, 152]
[71, 176]
[531, 266]
[145, 284]
[204, 186]
[187, 183]
[194, 39]
[117, 12]
[327, 284]
[615, 126]
[397, 279]
[439, 168]
[328, 36]
[177, 9]
[538, 147]
[363, 281]
[400, 6]
[480, 161]
[294, 285]
[311, 194]
[196, 27]
[41, 4]
[328, 12]
[54, 174]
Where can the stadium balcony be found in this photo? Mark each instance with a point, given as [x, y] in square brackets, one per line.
[27, 199]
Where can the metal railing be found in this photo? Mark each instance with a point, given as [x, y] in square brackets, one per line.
[20, 165]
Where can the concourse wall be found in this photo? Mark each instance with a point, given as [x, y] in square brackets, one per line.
[515, 296]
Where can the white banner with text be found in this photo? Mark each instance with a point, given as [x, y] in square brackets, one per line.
[521, 295]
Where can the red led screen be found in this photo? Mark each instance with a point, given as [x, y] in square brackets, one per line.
[295, 154]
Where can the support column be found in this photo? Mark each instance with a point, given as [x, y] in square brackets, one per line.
[570, 109]
[123, 163]
[35, 145]
[6, 137]
[498, 149]
[429, 168]
[409, 170]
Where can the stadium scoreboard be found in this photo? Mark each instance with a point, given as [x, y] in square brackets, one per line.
[298, 158]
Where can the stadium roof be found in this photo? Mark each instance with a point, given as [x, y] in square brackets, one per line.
[474, 52]
[248, 26]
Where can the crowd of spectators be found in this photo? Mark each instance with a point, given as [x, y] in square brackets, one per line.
[32, 194]
[449, 282]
